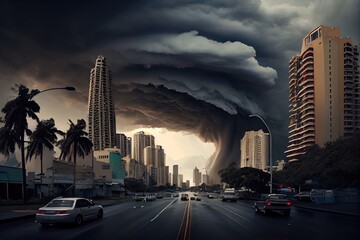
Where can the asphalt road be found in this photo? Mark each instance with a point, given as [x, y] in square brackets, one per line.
[171, 218]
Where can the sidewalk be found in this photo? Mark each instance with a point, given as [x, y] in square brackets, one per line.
[351, 209]
[15, 212]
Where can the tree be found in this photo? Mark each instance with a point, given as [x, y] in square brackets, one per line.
[16, 113]
[44, 136]
[75, 144]
[250, 178]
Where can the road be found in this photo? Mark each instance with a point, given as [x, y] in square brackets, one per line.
[171, 218]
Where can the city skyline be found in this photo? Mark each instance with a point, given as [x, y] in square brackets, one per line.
[217, 71]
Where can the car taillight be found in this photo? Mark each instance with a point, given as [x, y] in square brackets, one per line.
[41, 212]
[269, 203]
[61, 212]
[289, 203]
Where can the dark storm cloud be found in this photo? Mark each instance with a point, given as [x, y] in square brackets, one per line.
[217, 60]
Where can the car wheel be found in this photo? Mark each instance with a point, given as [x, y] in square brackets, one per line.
[266, 212]
[257, 210]
[78, 220]
[100, 214]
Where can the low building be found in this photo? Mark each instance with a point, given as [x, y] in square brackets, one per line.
[10, 183]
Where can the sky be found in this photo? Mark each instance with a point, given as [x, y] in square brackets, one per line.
[188, 72]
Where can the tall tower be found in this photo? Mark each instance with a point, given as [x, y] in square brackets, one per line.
[255, 150]
[323, 91]
[176, 175]
[141, 141]
[101, 107]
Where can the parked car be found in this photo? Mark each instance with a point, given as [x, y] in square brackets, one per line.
[303, 196]
[68, 210]
[184, 197]
[274, 203]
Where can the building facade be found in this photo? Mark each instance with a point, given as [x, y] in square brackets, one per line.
[196, 177]
[175, 175]
[102, 129]
[254, 149]
[323, 91]
[124, 144]
[141, 141]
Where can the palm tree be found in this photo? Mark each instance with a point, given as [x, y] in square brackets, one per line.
[75, 144]
[16, 125]
[44, 136]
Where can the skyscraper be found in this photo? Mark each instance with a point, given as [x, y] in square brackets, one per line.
[141, 141]
[175, 175]
[196, 176]
[323, 91]
[255, 150]
[101, 107]
[121, 141]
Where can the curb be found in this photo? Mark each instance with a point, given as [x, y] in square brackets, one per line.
[327, 210]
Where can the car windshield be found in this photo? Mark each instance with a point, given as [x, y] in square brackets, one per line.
[60, 203]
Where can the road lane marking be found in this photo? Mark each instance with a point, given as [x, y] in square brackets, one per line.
[186, 218]
[163, 210]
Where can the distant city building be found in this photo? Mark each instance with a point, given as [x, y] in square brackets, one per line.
[167, 176]
[205, 179]
[280, 165]
[196, 177]
[175, 175]
[134, 169]
[141, 141]
[128, 146]
[187, 184]
[121, 142]
[181, 180]
[102, 129]
[323, 91]
[254, 149]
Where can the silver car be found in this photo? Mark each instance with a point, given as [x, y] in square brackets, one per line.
[68, 210]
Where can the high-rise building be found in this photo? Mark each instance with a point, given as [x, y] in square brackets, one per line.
[128, 147]
[254, 148]
[181, 180]
[324, 90]
[141, 141]
[196, 177]
[120, 142]
[175, 176]
[101, 123]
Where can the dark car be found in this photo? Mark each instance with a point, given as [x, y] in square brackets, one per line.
[184, 197]
[274, 203]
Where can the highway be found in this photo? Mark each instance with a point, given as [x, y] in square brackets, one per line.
[171, 218]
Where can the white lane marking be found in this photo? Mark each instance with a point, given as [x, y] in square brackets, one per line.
[163, 210]
[234, 213]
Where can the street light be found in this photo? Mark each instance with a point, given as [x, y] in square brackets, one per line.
[271, 175]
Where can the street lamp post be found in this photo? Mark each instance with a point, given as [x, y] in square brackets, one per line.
[270, 145]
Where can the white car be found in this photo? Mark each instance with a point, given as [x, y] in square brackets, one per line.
[68, 210]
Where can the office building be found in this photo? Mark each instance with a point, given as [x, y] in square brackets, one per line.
[254, 148]
[323, 91]
[121, 142]
[141, 141]
[175, 176]
[101, 107]
[196, 177]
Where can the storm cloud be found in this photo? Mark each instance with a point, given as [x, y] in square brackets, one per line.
[195, 66]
